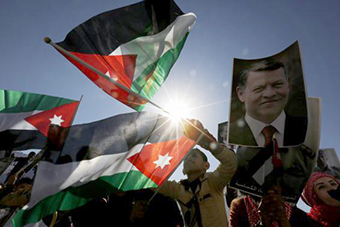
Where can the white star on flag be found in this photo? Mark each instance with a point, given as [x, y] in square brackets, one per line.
[56, 120]
[163, 160]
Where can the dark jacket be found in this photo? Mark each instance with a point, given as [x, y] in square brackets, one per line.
[295, 132]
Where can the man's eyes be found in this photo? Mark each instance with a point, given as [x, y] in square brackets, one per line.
[258, 89]
[191, 156]
[278, 85]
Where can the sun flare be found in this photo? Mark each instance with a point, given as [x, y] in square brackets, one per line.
[178, 110]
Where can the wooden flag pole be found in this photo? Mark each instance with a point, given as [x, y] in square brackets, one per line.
[49, 41]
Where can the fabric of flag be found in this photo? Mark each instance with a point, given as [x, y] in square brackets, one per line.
[125, 152]
[25, 118]
[136, 46]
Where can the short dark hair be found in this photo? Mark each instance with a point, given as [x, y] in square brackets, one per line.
[265, 65]
[31, 154]
[25, 180]
[205, 158]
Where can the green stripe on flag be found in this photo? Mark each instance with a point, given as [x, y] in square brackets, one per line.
[75, 197]
[161, 70]
[17, 101]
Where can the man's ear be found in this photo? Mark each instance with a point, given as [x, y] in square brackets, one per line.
[207, 165]
[240, 94]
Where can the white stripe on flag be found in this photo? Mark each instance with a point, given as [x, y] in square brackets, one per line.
[150, 48]
[16, 121]
[53, 178]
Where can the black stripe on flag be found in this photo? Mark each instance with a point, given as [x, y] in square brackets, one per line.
[121, 26]
[21, 140]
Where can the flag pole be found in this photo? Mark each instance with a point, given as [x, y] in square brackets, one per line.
[75, 112]
[56, 46]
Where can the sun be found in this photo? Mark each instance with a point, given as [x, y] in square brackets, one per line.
[178, 110]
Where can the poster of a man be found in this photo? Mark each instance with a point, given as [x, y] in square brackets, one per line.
[268, 92]
[256, 171]
[223, 132]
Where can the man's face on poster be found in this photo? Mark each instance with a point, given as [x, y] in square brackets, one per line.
[224, 133]
[265, 94]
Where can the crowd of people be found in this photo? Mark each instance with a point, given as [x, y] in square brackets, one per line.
[201, 200]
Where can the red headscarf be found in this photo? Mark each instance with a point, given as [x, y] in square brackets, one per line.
[253, 212]
[320, 212]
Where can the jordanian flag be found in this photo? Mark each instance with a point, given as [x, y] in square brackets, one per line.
[125, 152]
[25, 118]
[136, 46]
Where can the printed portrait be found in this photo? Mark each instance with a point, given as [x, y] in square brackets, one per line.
[268, 93]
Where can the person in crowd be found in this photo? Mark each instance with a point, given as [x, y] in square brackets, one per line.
[270, 211]
[322, 193]
[230, 195]
[17, 197]
[201, 195]
[264, 89]
[252, 211]
[126, 209]
[324, 167]
[20, 163]
[20, 194]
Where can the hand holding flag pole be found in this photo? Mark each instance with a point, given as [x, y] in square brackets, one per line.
[194, 130]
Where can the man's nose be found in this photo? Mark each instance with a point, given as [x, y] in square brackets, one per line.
[268, 92]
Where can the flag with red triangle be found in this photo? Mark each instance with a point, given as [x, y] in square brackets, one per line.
[157, 161]
[136, 46]
[125, 152]
[25, 118]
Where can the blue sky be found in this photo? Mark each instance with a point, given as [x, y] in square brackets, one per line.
[202, 75]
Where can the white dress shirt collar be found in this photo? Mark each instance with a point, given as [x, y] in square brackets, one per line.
[257, 126]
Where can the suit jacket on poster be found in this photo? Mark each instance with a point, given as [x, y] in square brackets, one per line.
[295, 132]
